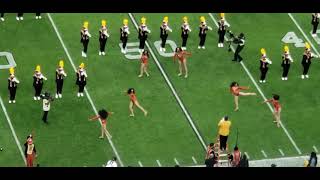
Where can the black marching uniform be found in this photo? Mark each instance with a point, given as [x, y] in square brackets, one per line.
[164, 28]
[306, 62]
[263, 69]
[38, 84]
[60, 75]
[203, 34]
[2, 16]
[241, 42]
[185, 29]
[84, 39]
[103, 37]
[221, 31]
[12, 86]
[124, 32]
[143, 35]
[286, 60]
[81, 80]
[315, 22]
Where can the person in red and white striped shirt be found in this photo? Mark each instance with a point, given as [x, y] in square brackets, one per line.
[277, 108]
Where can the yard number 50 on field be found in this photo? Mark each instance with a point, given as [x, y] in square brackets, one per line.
[291, 37]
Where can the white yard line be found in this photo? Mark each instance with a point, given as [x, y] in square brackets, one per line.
[194, 160]
[247, 155]
[315, 149]
[264, 154]
[87, 93]
[281, 152]
[261, 93]
[13, 131]
[171, 88]
[140, 164]
[159, 164]
[176, 161]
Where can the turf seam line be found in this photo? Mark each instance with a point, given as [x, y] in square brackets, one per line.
[85, 89]
[264, 153]
[159, 164]
[172, 88]
[194, 160]
[262, 94]
[315, 149]
[176, 161]
[281, 152]
[13, 131]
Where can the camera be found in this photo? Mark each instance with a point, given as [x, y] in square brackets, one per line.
[234, 39]
[47, 96]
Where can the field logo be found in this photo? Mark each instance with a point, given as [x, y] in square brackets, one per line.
[172, 45]
[316, 38]
[133, 49]
[10, 60]
[291, 37]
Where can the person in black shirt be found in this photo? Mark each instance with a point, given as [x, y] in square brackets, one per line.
[60, 75]
[306, 60]
[286, 60]
[315, 23]
[124, 32]
[203, 28]
[143, 34]
[19, 16]
[185, 29]
[12, 86]
[81, 79]
[103, 37]
[164, 28]
[85, 35]
[240, 41]
[222, 29]
[264, 62]
[38, 82]
[38, 16]
[2, 16]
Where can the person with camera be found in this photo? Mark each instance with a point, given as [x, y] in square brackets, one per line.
[264, 62]
[240, 41]
[185, 30]
[12, 85]
[38, 78]
[60, 75]
[222, 29]
[203, 28]
[46, 101]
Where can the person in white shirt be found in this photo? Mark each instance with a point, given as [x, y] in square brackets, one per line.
[112, 163]
[46, 99]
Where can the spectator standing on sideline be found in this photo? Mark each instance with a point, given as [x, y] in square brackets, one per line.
[236, 157]
[224, 130]
[313, 160]
[209, 150]
[315, 23]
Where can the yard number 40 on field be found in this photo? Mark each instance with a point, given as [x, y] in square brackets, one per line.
[291, 37]
[10, 60]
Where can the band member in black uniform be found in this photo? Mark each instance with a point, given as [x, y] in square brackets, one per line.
[185, 29]
[103, 37]
[124, 32]
[38, 82]
[315, 23]
[306, 60]
[85, 35]
[222, 29]
[19, 16]
[164, 28]
[286, 61]
[143, 34]
[38, 16]
[203, 28]
[240, 41]
[12, 86]
[2, 16]
[60, 75]
[81, 79]
[264, 62]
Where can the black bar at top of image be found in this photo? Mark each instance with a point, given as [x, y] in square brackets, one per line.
[149, 6]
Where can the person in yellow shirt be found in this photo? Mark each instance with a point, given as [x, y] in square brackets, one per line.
[224, 130]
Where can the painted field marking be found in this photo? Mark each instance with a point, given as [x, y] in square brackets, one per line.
[140, 164]
[159, 164]
[261, 93]
[281, 152]
[264, 154]
[172, 89]
[247, 155]
[176, 161]
[13, 131]
[86, 91]
[315, 149]
[194, 160]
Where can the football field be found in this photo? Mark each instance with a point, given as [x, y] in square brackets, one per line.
[183, 113]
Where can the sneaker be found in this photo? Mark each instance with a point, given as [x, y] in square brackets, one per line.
[37, 17]
[186, 76]
[17, 18]
[99, 53]
[147, 74]
[314, 35]
[221, 44]
[140, 76]
[283, 78]
[34, 98]
[264, 81]
[81, 94]
[203, 47]
[84, 55]
[103, 53]
[260, 81]
[60, 95]
[14, 101]
[184, 48]
[57, 96]
[199, 47]
[2, 19]
[286, 78]
[10, 102]
[160, 49]
[78, 94]
[21, 18]
[164, 49]
[302, 76]
[307, 76]
[179, 74]
[218, 44]
[38, 97]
